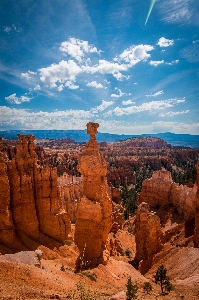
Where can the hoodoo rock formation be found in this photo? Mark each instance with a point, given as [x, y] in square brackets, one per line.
[196, 234]
[30, 201]
[147, 236]
[160, 190]
[94, 214]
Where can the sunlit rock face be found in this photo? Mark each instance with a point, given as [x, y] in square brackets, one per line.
[30, 200]
[160, 190]
[94, 213]
[147, 236]
[196, 234]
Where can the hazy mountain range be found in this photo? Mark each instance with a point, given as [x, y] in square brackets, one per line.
[81, 136]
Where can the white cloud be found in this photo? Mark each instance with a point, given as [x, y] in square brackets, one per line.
[77, 48]
[16, 29]
[71, 85]
[105, 67]
[127, 102]
[28, 74]
[120, 77]
[60, 87]
[173, 113]
[147, 106]
[117, 95]
[17, 100]
[176, 61]
[163, 42]
[135, 54]
[155, 63]
[95, 84]
[18, 118]
[103, 106]
[37, 87]
[7, 29]
[156, 94]
[59, 73]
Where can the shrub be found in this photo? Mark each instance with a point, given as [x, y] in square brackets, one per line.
[147, 287]
[131, 289]
[62, 268]
[128, 252]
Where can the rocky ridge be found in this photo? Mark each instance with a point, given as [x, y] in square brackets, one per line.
[31, 202]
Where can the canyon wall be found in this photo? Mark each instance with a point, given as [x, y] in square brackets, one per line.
[94, 213]
[160, 190]
[71, 191]
[30, 201]
[196, 233]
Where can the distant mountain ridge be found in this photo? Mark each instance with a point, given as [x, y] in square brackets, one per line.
[81, 136]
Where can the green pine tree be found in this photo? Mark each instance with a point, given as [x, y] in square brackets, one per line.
[162, 279]
[131, 289]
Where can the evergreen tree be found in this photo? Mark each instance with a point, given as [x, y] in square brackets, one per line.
[162, 279]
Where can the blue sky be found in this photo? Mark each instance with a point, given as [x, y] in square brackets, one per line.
[67, 62]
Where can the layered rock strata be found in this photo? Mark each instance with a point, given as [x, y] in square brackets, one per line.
[94, 214]
[30, 200]
[160, 190]
[6, 223]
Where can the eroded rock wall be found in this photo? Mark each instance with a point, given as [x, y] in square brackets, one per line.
[30, 200]
[196, 233]
[160, 190]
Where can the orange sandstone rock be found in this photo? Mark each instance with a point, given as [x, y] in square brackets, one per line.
[30, 200]
[161, 190]
[94, 214]
[147, 235]
[6, 224]
[196, 233]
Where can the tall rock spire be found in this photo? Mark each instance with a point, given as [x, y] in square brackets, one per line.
[94, 214]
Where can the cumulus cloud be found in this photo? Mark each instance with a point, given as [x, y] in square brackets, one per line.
[28, 74]
[105, 67]
[155, 63]
[59, 73]
[17, 100]
[173, 113]
[156, 94]
[95, 84]
[37, 87]
[71, 85]
[135, 54]
[77, 48]
[128, 102]
[163, 42]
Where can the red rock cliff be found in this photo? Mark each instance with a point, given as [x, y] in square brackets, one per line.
[161, 190]
[196, 234]
[30, 200]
